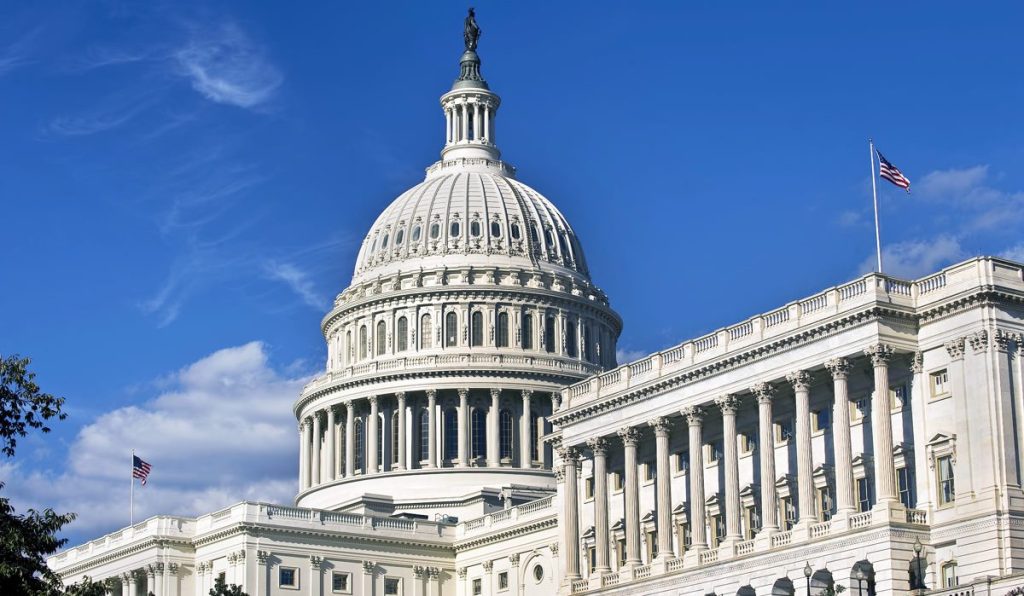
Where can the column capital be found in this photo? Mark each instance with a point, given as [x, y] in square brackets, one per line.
[630, 436]
[262, 556]
[956, 348]
[368, 567]
[661, 425]
[488, 565]
[431, 393]
[527, 393]
[694, 415]
[764, 392]
[400, 395]
[1002, 340]
[839, 368]
[917, 363]
[556, 400]
[418, 571]
[728, 404]
[979, 341]
[800, 380]
[880, 354]
[495, 393]
[514, 559]
[569, 455]
[315, 561]
[305, 423]
[599, 445]
[372, 399]
[463, 393]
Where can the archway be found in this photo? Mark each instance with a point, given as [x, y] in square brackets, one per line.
[862, 579]
[783, 587]
[746, 591]
[821, 581]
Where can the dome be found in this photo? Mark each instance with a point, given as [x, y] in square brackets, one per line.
[470, 212]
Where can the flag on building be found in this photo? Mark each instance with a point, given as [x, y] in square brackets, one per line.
[140, 469]
[892, 173]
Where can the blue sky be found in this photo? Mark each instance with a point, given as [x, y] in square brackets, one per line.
[185, 186]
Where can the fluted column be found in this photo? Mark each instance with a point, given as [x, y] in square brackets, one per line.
[487, 123]
[350, 439]
[570, 511]
[881, 425]
[431, 428]
[304, 453]
[840, 369]
[663, 498]
[493, 430]
[402, 432]
[372, 430]
[599, 447]
[476, 121]
[698, 528]
[630, 437]
[729, 404]
[464, 133]
[316, 449]
[525, 451]
[801, 381]
[332, 449]
[765, 392]
[448, 125]
[463, 428]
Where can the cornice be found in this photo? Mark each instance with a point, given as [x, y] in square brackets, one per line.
[507, 533]
[252, 529]
[150, 542]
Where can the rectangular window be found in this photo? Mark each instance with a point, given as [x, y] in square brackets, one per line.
[650, 471]
[712, 453]
[859, 408]
[392, 586]
[824, 504]
[949, 578]
[478, 587]
[341, 583]
[503, 580]
[863, 494]
[904, 483]
[899, 396]
[748, 444]
[685, 535]
[588, 487]
[616, 481]
[652, 545]
[940, 382]
[620, 549]
[820, 420]
[947, 490]
[718, 525]
[681, 462]
[787, 513]
[752, 521]
[288, 577]
[592, 558]
[783, 430]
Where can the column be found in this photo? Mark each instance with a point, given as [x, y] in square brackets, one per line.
[801, 381]
[372, 430]
[487, 123]
[304, 446]
[447, 125]
[464, 428]
[350, 439]
[729, 404]
[155, 573]
[525, 455]
[402, 432]
[493, 430]
[476, 122]
[765, 392]
[698, 528]
[881, 425]
[131, 583]
[465, 123]
[845, 504]
[663, 503]
[570, 511]
[432, 428]
[630, 437]
[316, 579]
[316, 448]
[332, 449]
[599, 447]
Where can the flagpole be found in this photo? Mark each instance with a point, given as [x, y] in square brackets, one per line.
[874, 194]
[131, 493]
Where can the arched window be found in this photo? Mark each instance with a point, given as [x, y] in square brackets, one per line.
[394, 438]
[435, 231]
[534, 424]
[384, 243]
[451, 434]
[549, 334]
[451, 330]
[403, 334]
[359, 439]
[496, 229]
[506, 428]
[474, 228]
[570, 338]
[399, 237]
[416, 234]
[515, 232]
[527, 332]
[533, 233]
[949, 575]
[382, 337]
[455, 229]
[426, 332]
[424, 435]
[362, 342]
[477, 323]
[586, 344]
[479, 433]
[548, 240]
[348, 346]
[501, 333]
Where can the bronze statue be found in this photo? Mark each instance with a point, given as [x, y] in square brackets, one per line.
[472, 32]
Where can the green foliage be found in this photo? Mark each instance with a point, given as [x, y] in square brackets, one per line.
[26, 539]
[222, 589]
[86, 587]
[833, 590]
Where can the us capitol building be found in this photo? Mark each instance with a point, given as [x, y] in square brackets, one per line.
[474, 434]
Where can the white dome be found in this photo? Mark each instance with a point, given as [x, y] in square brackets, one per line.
[470, 212]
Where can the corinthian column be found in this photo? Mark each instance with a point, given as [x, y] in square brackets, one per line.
[331, 446]
[729, 404]
[881, 425]
[350, 439]
[765, 392]
[630, 437]
[304, 447]
[570, 510]
[402, 432]
[316, 448]
[663, 503]
[698, 529]
[431, 428]
[493, 432]
[599, 447]
[372, 430]
[463, 428]
[525, 450]
[801, 381]
[840, 369]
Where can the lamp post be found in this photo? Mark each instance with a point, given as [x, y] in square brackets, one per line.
[918, 547]
[859, 576]
[807, 576]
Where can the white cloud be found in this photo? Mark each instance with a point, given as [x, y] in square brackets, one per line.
[916, 258]
[299, 282]
[977, 204]
[953, 182]
[1014, 253]
[850, 219]
[221, 430]
[623, 355]
[95, 123]
[226, 67]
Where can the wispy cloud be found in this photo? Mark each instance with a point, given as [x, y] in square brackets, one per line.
[296, 280]
[17, 53]
[104, 56]
[90, 124]
[1014, 253]
[624, 355]
[916, 258]
[226, 67]
[980, 205]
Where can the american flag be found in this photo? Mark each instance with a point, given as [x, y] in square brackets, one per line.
[140, 469]
[892, 173]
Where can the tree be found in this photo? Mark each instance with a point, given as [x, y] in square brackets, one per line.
[222, 589]
[26, 539]
[86, 587]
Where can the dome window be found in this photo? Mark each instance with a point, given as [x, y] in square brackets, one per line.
[435, 231]
[548, 240]
[495, 229]
[474, 228]
[455, 230]
[399, 237]
[384, 242]
[515, 232]
[416, 234]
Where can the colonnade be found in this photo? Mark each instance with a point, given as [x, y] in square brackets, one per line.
[158, 579]
[470, 119]
[692, 418]
[418, 430]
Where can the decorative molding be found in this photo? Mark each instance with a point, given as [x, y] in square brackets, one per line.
[879, 353]
[694, 415]
[764, 392]
[368, 567]
[955, 348]
[800, 380]
[917, 363]
[513, 559]
[662, 425]
[729, 404]
[315, 561]
[630, 436]
[488, 565]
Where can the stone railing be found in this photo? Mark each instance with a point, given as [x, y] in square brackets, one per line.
[161, 526]
[917, 516]
[539, 508]
[981, 272]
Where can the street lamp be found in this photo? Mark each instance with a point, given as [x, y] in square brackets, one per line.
[860, 578]
[918, 547]
[807, 575]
